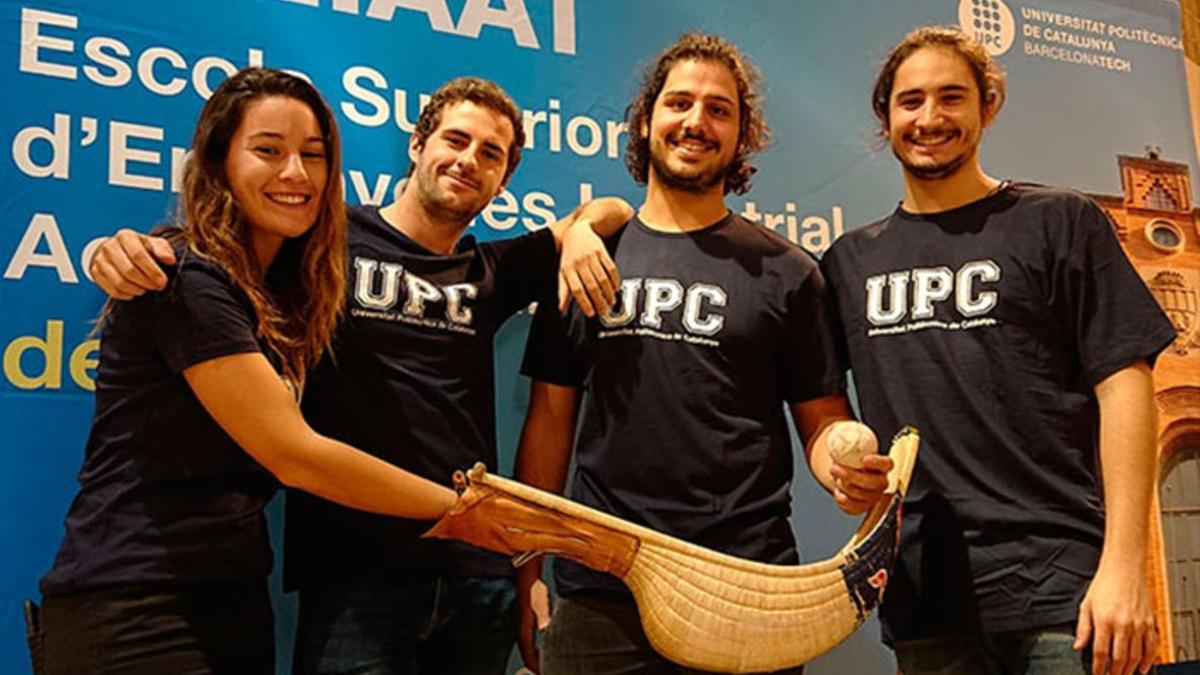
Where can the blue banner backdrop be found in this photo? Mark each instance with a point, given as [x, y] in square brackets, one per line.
[102, 97]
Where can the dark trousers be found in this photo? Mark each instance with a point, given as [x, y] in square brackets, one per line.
[202, 628]
[1038, 651]
[447, 626]
[601, 634]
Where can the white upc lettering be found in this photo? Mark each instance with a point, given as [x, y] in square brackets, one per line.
[455, 311]
[623, 310]
[986, 271]
[420, 291]
[389, 287]
[930, 285]
[897, 285]
[662, 295]
[696, 296]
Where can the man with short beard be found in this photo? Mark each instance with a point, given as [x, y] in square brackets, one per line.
[718, 323]
[1003, 320]
[410, 380]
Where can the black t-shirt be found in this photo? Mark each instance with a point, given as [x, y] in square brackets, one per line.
[683, 426]
[987, 328]
[410, 380]
[165, 495]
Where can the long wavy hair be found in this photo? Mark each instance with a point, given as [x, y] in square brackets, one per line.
[299, 307]
[754, 135]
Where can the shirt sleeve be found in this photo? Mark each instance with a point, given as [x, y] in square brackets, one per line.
[1114, 319]
[558, 349]
[811, 367]
[837, 325]
[201, 316]
[526, 267]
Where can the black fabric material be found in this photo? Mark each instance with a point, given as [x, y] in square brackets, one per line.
[165, 495]
[1004, 522]
[181, 630]
[410, 380]
[683, 424]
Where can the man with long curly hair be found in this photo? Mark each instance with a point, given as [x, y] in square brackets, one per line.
[718, 323]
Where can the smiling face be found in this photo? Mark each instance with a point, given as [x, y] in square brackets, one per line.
[936, 118]
[277, 168]
[693, 127]
[463, 163]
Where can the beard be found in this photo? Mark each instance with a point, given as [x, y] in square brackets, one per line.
[934, 171]
[441, 205]
[696, 183]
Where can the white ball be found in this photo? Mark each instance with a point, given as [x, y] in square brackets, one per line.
[848, 441]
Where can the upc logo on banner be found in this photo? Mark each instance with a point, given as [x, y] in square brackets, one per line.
[990, 22]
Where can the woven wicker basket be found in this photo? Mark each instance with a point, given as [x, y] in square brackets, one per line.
[700, 608]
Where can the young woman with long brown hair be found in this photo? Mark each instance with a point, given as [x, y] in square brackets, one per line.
[165, 558]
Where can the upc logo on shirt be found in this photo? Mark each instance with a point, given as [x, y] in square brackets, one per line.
[642, 303]
[906, 301]
[377, 291]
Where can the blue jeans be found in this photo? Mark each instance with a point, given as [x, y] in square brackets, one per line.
[1041, 651]
[465, 625]
[601, 634]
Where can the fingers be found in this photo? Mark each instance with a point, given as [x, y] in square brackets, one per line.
[1149, 650]
[564, 293]
[539, 598]
[610, 272]
[1127, 652]
[161, 249]
[856, 490]
[533, 603]
[125, 266]
[878, 463]
[1083, 626]
[1101, 648]
[576, 287]
[588, 273]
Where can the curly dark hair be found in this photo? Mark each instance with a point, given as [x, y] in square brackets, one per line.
[480, 92]
[753, 133]
[989, 77]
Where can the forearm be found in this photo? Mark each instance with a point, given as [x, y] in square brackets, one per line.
[248, 400]
[1128, 463]
[604, 215]
[340, 473]
[544, 452]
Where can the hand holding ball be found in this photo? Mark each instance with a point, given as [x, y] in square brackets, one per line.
[849, 441]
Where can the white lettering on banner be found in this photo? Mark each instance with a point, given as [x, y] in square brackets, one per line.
[931, 286]
[513, 17]
[59, 139]
[44, 227]
[373, 102]
[814, 233]
[33, 42]
[534, 210]
[664, 296]
[120, 154]
[160, 70]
